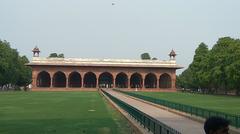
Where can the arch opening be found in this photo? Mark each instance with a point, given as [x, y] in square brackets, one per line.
[43, 79]
[105, 80]
[90, 80]
[121, 80]
[59, 79]
[136, 80]
[150, 81]
[165, 81]
[75, 80]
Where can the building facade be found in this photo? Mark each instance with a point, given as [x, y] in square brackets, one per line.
[57, 74]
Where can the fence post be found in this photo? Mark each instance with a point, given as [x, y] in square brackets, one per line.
[149, 124]
[144, 121]
[191, 109]
[154, 131]
[238, 122]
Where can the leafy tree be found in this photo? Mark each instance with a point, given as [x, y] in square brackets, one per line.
[199, 66]
[25, 72]
[232, 70]
[4, 50]
[8, 64]
[216, 69]
[61, 56]
[185, 80]
[53, 55]
[154, 58]
[12, 68]
[218, 62]
[145, 56]
[233, 75]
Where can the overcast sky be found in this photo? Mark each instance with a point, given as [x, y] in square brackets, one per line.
[123, 30]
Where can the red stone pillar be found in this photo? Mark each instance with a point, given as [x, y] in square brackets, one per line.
[143, 80]
[97, 76]
[66, 82]
[143, 83]
[82, 82]
[97, 83]
[34, 80]
[82, 77]
[114, 83]
[128, 82]
[158, 82]
[51, 77]
[174, 81]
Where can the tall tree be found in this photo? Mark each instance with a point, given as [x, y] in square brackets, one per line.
[12, 68]
[233, 69]
[199, 66]
[215, 70]
[8, 65]
[218, 61]
[25, 72]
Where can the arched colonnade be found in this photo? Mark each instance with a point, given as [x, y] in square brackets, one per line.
[75, 79]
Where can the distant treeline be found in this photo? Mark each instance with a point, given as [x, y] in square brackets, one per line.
[214, 71]
[13, 72]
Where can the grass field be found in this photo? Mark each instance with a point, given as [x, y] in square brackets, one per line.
[226, 104]
[59, 113]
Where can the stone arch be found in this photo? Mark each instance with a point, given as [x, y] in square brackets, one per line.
[105, 80]
[43, 79]
[121, 80]
[136, 80]
[90, 80]
[150, 81]
[74, 79]
[165, 81]
[59, 79]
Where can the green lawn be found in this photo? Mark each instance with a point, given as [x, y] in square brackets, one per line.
[227, 104]
[59, 113]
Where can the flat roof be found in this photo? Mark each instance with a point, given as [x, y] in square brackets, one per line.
[40, 61]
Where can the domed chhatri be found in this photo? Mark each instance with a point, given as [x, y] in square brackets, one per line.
[36, 51]
[172, 55]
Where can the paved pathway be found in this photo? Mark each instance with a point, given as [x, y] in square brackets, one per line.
[179, 123]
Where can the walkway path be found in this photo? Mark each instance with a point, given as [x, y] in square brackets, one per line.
[177, 122]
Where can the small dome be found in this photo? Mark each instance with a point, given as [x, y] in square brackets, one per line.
[36, 52]
[36, 49]
[172, 53]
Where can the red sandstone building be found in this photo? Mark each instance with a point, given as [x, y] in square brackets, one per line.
[91, 74]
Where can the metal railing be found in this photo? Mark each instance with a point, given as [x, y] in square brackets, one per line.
[151, 124]
[201, 112]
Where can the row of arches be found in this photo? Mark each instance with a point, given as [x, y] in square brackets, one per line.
[105, 80]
